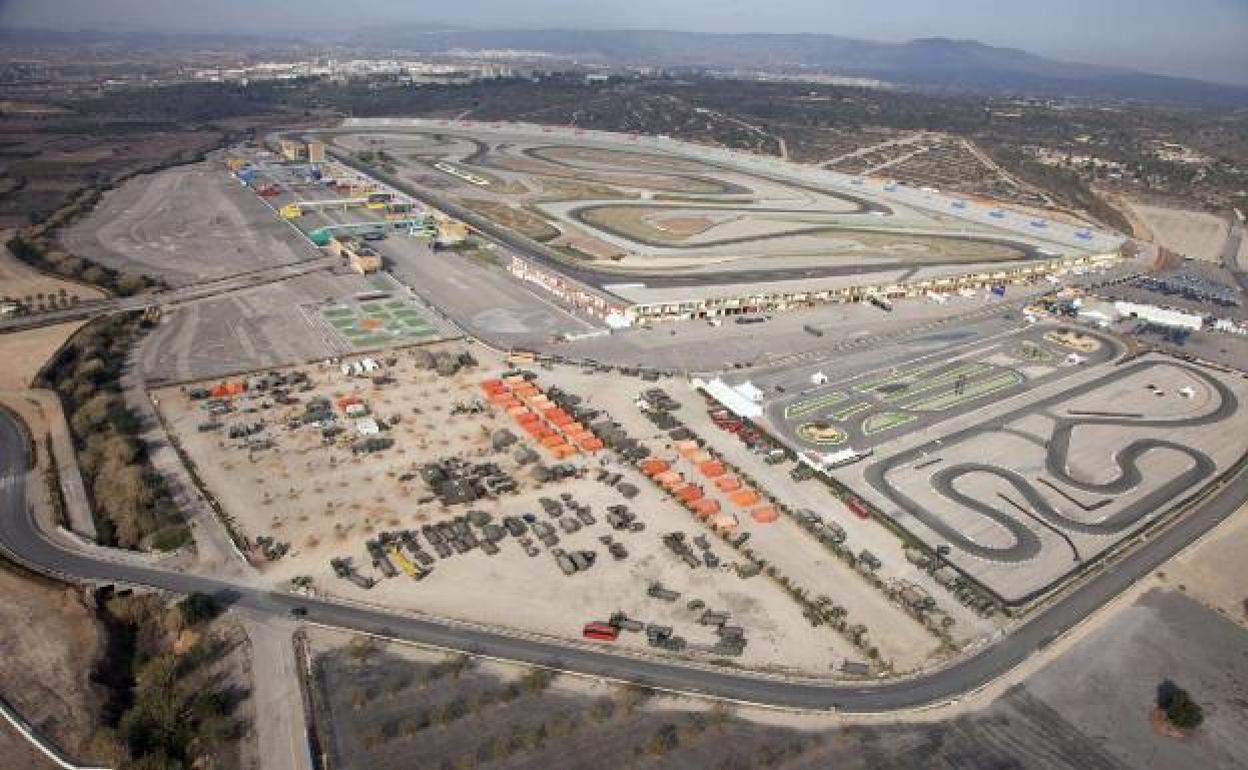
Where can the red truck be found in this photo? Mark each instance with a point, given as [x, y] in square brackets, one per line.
[857, 506]
[603, 632]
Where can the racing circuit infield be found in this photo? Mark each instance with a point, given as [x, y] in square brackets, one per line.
[627, 217]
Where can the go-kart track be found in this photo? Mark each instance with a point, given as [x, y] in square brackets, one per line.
[652, 221]
[1023, 489]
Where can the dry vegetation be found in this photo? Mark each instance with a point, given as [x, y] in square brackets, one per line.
[520, 220]
[132, 506]
[175, 680]
[47, 638]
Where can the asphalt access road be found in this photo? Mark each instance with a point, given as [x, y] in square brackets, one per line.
[1025, 545]
[21, 537]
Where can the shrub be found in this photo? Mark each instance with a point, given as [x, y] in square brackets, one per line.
[1181, 711]
[198, 607]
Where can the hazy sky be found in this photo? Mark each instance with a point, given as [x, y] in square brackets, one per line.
[1199, 38]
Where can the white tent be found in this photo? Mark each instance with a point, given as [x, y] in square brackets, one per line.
[818, 378]
[750, 392]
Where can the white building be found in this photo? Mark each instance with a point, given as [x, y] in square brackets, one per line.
[1159, 315]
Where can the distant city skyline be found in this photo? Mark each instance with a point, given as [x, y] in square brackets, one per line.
[1197, 38]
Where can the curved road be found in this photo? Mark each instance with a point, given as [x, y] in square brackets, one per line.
[1024, 544]
[22, 538]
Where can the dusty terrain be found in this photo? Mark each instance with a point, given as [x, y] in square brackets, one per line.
[184, 225]
[383, 704]
[325, 502]
[18, 280]
[1194, 234]
[25, 353]
[48, 636]
[1214, 572]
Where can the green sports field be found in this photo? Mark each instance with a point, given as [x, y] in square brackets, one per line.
[380, 322]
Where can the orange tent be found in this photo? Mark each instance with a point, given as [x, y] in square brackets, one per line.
[653, 466]
[711, 469]
[764, 514]
[744, 498]
[689, 493]
[700, 457]
[724, 522]
[347, 401]
[705, 507]
[589, 444]
[728, 483]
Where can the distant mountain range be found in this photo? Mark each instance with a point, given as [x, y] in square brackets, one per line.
[929, 63]
[938, 64]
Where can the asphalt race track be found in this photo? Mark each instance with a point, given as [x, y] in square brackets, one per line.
[20, 536]
[602, 275]
[1025, 545]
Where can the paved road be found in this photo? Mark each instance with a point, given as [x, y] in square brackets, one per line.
[171, 297]
[20, 536]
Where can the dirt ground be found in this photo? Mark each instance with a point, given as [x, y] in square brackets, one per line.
[47, 636]
[1194, 234]
[1214, 572]
[18, 752]
[24, 353]
[326, 502]
[523, 222]
[385, 704]
[19, 280]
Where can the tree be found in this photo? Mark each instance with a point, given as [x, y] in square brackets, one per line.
[198, 607]
[1181, 711]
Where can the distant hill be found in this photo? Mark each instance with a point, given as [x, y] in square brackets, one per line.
[932, 63]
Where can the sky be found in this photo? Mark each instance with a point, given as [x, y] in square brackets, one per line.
[1196, 38]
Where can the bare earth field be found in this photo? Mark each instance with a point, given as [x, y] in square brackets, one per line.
[18, 752]
[325, 502]
[24, 353]
[1194, 234]
[47, 639]
[1107, 683]
[185, 225]
[383, 705]
[18, 280]
[1215, 571]
[247, 330]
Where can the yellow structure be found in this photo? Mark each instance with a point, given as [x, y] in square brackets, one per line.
[235, 164]
[290, 149]
[291, 211]
[452, 231]
[365, 261]
[360, 256]
[316, 152]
